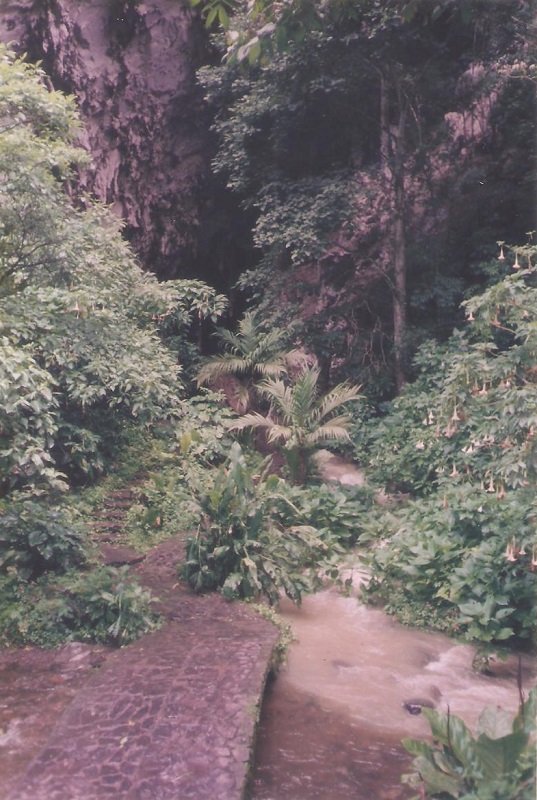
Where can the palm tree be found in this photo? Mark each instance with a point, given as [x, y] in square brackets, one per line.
[300, 420]
[250, 354]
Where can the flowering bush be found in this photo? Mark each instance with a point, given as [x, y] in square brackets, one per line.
[469, 546]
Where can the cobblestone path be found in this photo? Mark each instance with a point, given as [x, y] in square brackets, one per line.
[170, 717]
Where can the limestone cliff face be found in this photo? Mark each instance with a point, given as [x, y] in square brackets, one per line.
[131, 64]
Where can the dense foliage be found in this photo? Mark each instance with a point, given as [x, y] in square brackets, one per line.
[240, 548]
[463, 437]
[261, 538]
[359, 137]
[35, 539]
[337, 121]
[182, 469]
[339, 129]
[83, 332]
[88, 343]
[102, 605]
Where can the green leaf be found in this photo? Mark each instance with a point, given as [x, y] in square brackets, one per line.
[435, 780]
[494, 723]
[417, 748]
[499, 757]
[211, 16]
[452, 731]
[223, 17]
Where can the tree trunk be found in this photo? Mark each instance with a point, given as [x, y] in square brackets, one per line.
[384, 125]
[392, 155]
[298, 464]
[399, 256]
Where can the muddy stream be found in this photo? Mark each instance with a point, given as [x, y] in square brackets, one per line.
[333, 718]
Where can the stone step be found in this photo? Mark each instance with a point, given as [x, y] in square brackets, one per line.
[122, 493]
[113, 513]
[114, 556]
[107, 531]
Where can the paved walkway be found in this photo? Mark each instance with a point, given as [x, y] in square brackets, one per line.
[170, 716]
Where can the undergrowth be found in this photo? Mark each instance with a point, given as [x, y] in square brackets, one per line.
[103, 605]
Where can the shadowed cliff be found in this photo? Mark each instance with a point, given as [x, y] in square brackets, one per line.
[132, 68]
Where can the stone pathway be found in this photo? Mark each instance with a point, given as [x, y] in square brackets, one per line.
[171, 716]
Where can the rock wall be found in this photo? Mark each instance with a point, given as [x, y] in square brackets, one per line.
[131, 64]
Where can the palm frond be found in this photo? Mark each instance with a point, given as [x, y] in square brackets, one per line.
[259, 351]
[279, 395]
[329, 432]
[250, 420]
[279, 433]
[232, 340]
[338, 396]
[272, 369]
[276, 432]
[248, 323]
[219, 366]
[268, 343]
[248, 331]
[304, 397]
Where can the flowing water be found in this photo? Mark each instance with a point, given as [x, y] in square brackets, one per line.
[333, 718]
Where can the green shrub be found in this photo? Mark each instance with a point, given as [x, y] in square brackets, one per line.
[168, 502]
[336, 512]
[403, 446]
[240, 548]
[28, 419]
[166, 505]
[496, 764]
[202, 432]
[468, 552]
[82, 452]
[87, 339]
[36, 538]
[463, 437]
[104, 605]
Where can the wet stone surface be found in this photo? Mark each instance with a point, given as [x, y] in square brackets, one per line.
[35, 688]
[170, 716]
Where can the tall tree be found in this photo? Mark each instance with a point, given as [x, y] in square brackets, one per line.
[408, 57]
